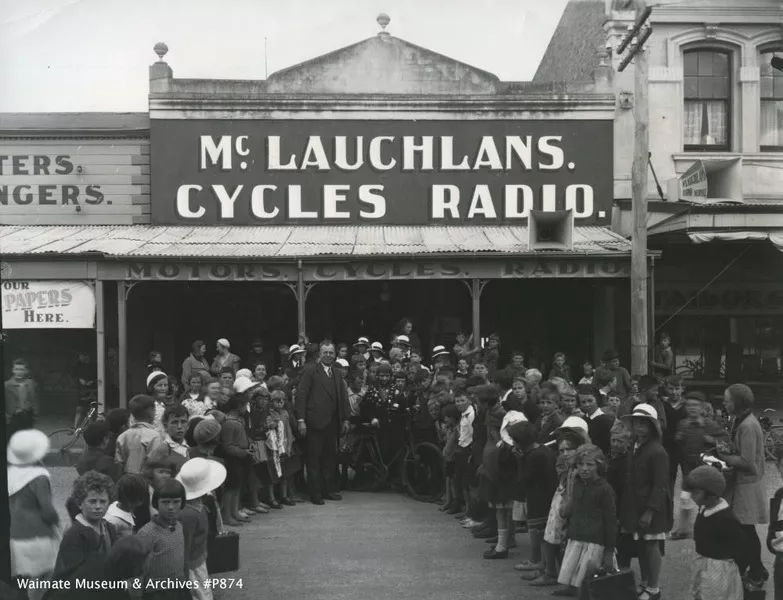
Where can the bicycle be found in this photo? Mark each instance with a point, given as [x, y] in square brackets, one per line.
[68, 444]
[423, 469]
[773, 434]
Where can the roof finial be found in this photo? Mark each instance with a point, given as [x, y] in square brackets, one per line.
[383, 20]
[161, 49]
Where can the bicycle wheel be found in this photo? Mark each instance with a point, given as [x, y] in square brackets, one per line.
[65, 448]
[424, 472]
[773, 442]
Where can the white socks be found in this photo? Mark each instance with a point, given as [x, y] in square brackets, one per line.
[502, 540]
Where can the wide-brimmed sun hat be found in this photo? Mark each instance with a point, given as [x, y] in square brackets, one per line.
[439, 351]
[243, 384]
[295, 349]
[27, 447]
[362, 341]
[199, 476]
[645, 411]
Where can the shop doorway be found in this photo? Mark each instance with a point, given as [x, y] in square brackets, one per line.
[343, 311]
[539, 318]
[170, 316]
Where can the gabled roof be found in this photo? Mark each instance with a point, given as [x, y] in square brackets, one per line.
[572, 54]
[383, 64]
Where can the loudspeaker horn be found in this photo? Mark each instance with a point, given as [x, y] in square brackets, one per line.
[550, 230]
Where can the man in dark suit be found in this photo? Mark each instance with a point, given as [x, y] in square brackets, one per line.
[322, 411]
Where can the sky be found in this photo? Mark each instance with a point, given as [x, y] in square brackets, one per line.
[93, 55]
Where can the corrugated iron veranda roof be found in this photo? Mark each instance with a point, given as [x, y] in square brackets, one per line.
[286, 241]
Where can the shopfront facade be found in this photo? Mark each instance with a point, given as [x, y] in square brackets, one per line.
[337, 196]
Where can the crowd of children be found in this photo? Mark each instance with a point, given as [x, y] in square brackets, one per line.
[584, 464]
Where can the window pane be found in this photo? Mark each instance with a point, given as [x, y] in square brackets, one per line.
[706, 123]
[720, 64]
[692, 87]
[720, 87]
[772, 123]
[691, 64]
[778, 87]
[705, 63]
[705, 87]
[766, 87]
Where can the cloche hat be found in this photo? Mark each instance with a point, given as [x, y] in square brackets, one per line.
[27, 447]
[243, 384]
[199, 476]
[206, 431]
[225, 343]
[377, 347]
[706, 478]
[362, 341]
[573, 422]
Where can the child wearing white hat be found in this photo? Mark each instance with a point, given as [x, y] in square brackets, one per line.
[34, 539]
[199, 477]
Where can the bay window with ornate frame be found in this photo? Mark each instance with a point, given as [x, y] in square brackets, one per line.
[708, 87]
[771, 92]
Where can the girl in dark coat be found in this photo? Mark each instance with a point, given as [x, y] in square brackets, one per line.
[646, 509]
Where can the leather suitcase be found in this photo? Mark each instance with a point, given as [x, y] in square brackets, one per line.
[618, 585]
[223, 553]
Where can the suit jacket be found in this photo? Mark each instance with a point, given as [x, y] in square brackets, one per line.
[319, 399]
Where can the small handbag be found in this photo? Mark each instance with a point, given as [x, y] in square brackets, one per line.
[610, 585]
[223, 553]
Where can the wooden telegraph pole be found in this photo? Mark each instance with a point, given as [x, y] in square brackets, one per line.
[634, 44]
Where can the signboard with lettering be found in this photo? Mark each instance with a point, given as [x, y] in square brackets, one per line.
[454, 172]
[48, 305]
[54, 182]
[738, 298]
[693, 183]
[520, 268]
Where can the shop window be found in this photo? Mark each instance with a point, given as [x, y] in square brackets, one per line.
[707, 110]
[725, 348]
[771, 102]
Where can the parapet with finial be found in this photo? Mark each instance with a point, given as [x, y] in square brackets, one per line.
[383, 20]
[160, 71]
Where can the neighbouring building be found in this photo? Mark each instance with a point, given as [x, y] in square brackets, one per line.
[379, 181]
[716, 144]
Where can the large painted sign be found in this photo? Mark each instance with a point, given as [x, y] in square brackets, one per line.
[48, 305]
[246, 172]
[74, 182]
[518, 268]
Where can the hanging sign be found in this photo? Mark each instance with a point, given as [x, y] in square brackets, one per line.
[48, 305]
[693, 183]
[452, 172]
